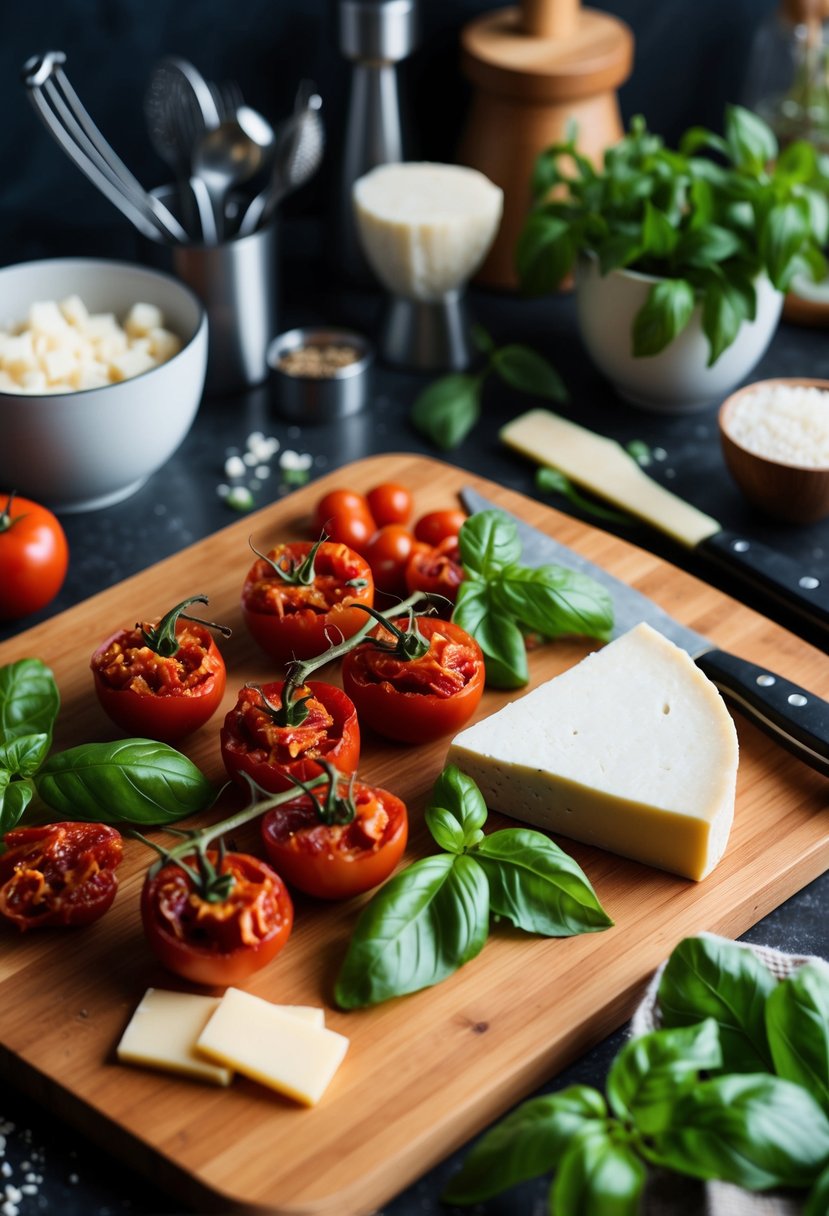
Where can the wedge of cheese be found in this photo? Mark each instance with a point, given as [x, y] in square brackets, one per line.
[632, 750]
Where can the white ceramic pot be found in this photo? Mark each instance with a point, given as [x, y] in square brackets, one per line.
[677, 380]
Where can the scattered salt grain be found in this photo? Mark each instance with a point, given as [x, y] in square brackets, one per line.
[234, 467]
[783, 422]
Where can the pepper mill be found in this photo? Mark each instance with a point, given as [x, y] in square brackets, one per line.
[535, 69]
[374, 36]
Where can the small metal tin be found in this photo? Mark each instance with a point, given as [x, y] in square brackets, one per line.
[312, 399]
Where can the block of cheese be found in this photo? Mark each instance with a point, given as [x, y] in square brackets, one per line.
[264, 1042]
[632, 750]
[425, 227]
[163, 1031]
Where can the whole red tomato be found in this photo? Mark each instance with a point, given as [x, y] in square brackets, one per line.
[390, 503]
[161, 681]
[335, 843]
[417, 700]
[437, 525]
[255, 742]
[387, 553]
[437, 570]
[345, 517]
[220, 929]
[34, 556]
[60, 874]
[300, 598]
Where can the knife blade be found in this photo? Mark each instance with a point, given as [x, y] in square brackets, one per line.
[794, 717]
[603, 466]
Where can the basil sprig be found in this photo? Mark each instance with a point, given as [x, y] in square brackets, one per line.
[499, 600]
[450, 407]
[432, 917]
[128, 781]
[671, 1104]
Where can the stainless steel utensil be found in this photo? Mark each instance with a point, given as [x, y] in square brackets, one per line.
[67, 120]
[231, 154]
[300, 146]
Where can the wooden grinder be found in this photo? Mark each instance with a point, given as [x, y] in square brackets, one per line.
[534, 69]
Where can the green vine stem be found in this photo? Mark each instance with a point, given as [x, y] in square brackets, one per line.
[162, 639]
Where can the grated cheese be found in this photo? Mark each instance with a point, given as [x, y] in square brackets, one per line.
[783, 422]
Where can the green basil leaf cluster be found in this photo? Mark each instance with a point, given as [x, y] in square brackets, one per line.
[500, 601]
[706, 229]
[431, 918]
[734, 1086]
[128, 781]
[449, 408]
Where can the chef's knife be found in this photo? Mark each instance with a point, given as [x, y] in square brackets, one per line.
[796, 719]
[604, 467]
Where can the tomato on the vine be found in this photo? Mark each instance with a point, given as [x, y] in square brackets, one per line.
[390, 503]
[301, 596]
[419, 699]
[387, 553]
[162, 681]
[34, 557]
[257, 740]
[216, 917]
[438, 525]
[437, 570]
[60, 874]
[336, 841]
[345, 517]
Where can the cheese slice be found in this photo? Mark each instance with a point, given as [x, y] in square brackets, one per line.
[266, 1043]
[162, 1033]
[602, 466]
[632, 750]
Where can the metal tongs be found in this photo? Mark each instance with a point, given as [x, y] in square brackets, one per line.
[67, 120]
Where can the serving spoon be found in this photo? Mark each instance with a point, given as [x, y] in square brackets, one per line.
[230, 154]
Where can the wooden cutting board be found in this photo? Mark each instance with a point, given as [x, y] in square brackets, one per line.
[424, 1072]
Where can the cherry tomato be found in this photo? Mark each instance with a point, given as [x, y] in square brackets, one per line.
[160, 681]
[253, 742]
[437, 525]
[216, 942]
[417, 700]
[387, 553]
[314, 850]
[345, 517]
[390, 503]
[294, 619]
[437, 570]
[60, 874]
[34, 556]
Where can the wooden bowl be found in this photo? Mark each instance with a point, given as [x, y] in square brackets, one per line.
[795, 493]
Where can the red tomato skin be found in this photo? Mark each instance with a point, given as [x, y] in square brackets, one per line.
[167, 718]
[437, 525]
[345, 517]
[387, 553]
[34, 557]
[241, 755]
[303, 633]
[327, 863]
[414, 717]
[390, 503]
[437, 570]
[70, 868]
[214, 967]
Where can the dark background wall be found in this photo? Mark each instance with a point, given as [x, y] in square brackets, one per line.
[690, 60]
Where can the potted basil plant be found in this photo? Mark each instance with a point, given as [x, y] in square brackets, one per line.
[681, 257]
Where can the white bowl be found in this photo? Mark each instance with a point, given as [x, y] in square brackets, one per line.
[78, 451]
[678, 379]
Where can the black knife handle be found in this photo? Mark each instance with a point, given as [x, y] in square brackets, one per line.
[796, 719]
[775, 574]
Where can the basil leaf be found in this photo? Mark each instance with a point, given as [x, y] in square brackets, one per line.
[797, 1021]
[24, 755]
[545, 253]
[755, 1131]
[482, 338]
[659, 235]
[651, 1072]
[500, 639]
[536, 886]
[488, 540]
[528, 1142]
[663, 316]
[420, 927]
[554, 600]
[618, 250]
[29, 700]
[128, 781]
[708, 977]
[598, 1176]
[445, 829]
[457, 796]
[785, 229]
[529, 372]
[707, 245]
[817, 1201]
[447, 410]
[553, 481]
[721, 318]
[751, 142]
[15, 796]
